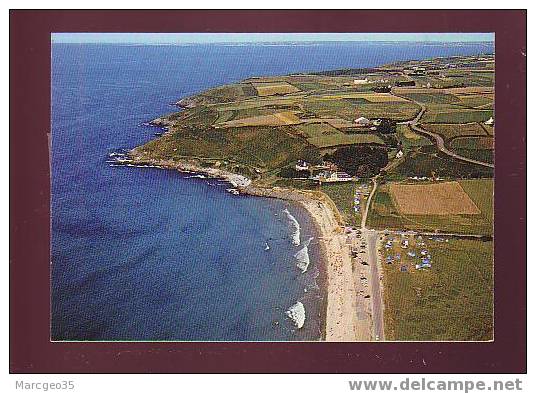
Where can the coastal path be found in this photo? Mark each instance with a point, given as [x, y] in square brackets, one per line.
[369, 201]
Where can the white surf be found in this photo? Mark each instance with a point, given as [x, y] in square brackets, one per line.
[297, 314]
[302, 256]
[295, 228]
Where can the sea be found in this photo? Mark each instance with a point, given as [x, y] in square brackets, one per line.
[147, 254]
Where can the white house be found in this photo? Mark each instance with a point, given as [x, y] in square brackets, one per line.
[361, 81]
[302, 165]
[399, 154]
[489, 122]
[362, 121]
[328, 177]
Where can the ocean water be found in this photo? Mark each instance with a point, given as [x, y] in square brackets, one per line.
[150, 254]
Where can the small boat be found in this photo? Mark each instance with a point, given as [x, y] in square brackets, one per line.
[233, 191]
[267, 247]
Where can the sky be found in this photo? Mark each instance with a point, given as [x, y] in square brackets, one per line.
[199, 38]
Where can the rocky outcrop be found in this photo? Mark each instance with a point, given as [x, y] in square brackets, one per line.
[161, 122]
[188, 102]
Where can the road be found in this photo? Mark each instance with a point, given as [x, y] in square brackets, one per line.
[371, 237]
[440, 143]
[375, 285]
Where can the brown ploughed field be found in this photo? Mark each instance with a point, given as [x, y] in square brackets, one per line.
[432, 199]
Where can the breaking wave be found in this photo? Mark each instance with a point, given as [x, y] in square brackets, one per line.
[302, 257]
[295, 228]
[297, 314]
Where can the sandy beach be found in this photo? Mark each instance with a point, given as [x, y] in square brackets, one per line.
[342, 321]
[346, 315]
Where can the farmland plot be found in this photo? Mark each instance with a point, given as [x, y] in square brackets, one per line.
[273, 88]
[432, 199]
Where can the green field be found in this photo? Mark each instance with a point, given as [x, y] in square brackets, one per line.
[452, 301]
[472, 78]
[475, 143]
[357, 101]
[226, 93]
[399, 111]
[433, 98]
[264, 147]
[351, 110]
[464, 224]
[448, 131]
[344, 139]
[427, 161]
[312, 130]
[474, 101]
[480, 155]
[225, 116]
[385, 215]
[267, 103]
[311, 86]
[409, 138]
[342, 194]
[295, 184]
[440, 115]
[332, 108]
[248, 111]
[481, 192]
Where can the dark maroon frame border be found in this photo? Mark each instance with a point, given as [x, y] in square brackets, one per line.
[30, 348]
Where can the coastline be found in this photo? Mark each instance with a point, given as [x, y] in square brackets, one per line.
[341, 323]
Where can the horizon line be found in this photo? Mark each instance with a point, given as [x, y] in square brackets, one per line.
[237, 38]
[270, 42]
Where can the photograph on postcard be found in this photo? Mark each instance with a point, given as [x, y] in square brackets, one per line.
[272, 187]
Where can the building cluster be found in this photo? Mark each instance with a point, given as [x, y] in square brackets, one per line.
[427, 178]
[326, 172]
[330, 177]
[372, 125]
[362, 122]
[416, 71]
[302, 165]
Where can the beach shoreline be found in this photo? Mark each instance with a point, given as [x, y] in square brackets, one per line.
[341, 323]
